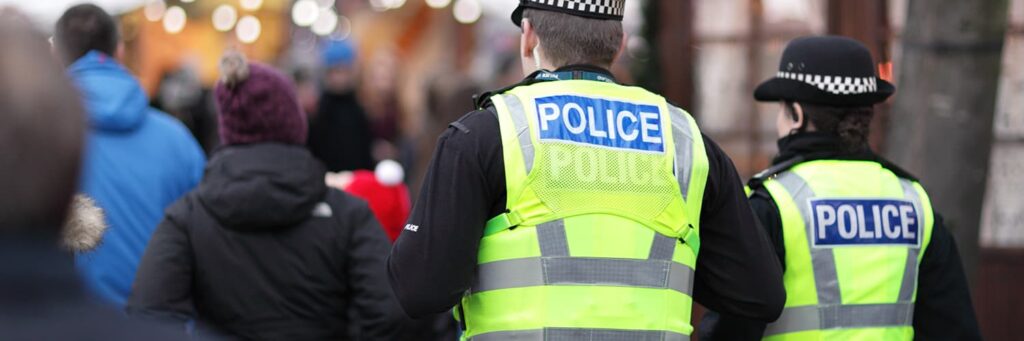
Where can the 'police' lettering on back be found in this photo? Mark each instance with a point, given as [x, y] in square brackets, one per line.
[850, 222]
[600, 122]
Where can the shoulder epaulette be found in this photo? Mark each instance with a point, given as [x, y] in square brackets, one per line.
[482, 100]
[758, 179]
[900, 172]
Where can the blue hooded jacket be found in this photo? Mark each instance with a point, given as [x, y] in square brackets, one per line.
[137, 162]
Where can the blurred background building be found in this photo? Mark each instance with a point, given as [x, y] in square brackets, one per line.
[419, 62]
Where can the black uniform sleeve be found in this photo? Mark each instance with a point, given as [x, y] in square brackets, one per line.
[943, 310]
[162, 290]
[725, 326]
[373, 311]
[432, 262]
[768, 215]
[737, 271]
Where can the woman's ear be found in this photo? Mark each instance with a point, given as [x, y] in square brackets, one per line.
[798, 113]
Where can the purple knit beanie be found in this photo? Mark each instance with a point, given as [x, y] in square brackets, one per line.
[257, 104]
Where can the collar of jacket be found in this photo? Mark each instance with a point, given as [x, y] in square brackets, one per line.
[483, 100]
[813, 145]
[810, 146]
[587, 68]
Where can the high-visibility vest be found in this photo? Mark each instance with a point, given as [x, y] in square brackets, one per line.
[854, 234]
[605, 184]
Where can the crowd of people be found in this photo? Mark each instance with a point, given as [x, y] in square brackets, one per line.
[277, 236]
[116, 223]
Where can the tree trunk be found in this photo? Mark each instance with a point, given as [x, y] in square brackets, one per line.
[941, 123]
[675, 40]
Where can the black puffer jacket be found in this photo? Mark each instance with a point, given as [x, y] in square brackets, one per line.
[262, 250]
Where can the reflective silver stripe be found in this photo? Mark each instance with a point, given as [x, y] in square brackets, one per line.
[537, 271]
[662, 247]
[576, 334]
[802, 318]
[910, 270]
[795, 319]
[826, 280]
[514, 335]
[683, 138]
[511, 273]
[552, 239]
[515, 108]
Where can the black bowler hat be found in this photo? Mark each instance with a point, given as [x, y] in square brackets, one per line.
[595, 9]
[826, 70]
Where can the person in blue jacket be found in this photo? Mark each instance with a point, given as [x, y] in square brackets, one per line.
[137, 160]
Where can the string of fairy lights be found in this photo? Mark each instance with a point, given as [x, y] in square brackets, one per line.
[319, 16]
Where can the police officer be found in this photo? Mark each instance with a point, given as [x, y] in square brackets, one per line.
[570, 207]
[865, 256]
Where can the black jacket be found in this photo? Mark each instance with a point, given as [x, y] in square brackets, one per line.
[42, 298]
[433, 264]
[262, 250]
[339, 134]
[943, 310]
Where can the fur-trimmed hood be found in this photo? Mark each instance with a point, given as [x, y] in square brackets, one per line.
[85, 226]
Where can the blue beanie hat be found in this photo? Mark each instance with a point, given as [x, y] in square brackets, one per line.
[338, 53]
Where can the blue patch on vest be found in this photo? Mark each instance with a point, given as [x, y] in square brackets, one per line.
[600, 122]
[845, 222]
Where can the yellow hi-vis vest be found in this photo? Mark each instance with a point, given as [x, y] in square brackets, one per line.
[854, 234]
[605, 184]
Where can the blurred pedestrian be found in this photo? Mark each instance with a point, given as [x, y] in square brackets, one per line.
[339, 133]
[181, 95]
[263, 249]
[880, 264]
[42, 132]
[137, 160]
[447, 99]
[382, 102]
[307, 90]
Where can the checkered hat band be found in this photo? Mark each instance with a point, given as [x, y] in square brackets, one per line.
[602, 7]
[839, 85]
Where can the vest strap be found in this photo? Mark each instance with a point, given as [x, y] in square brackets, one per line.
[692, 238]
[502, 222]
[591, 334]
[796, 319]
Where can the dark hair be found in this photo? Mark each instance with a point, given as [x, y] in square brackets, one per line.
[42, 126]
[84, 28]
[568, 39]
[851, 124]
